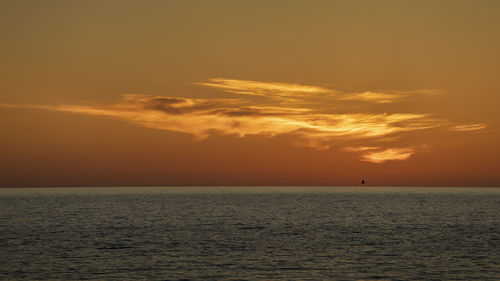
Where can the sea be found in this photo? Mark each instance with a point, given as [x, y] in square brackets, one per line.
[250, 233]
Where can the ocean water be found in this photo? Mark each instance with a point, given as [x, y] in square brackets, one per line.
[250, 233]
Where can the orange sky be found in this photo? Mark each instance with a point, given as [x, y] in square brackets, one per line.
[103, 93]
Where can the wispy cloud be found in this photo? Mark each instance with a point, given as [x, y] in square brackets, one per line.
[294, 113]
[246, 87]
[359, 148]
[469, 127]
[386, 96]
[200, 116]
[388, 154]
[370, 97]
[305, 92]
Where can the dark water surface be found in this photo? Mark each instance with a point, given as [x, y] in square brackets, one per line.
[249, 233]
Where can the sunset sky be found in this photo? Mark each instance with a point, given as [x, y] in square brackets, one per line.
[125, 93]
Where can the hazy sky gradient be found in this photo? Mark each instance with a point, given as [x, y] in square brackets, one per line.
[249, 93]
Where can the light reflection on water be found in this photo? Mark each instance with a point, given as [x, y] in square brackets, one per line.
[308, 233]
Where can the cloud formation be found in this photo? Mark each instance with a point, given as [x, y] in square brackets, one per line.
[256, 88]
[388, 154]
[244, 116]
[305, 92]
[468, 127]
